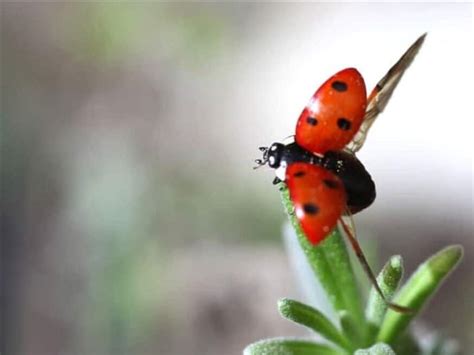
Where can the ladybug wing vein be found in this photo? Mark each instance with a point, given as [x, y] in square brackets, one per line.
[382, 93]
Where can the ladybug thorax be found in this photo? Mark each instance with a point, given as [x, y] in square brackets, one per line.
[280, 156]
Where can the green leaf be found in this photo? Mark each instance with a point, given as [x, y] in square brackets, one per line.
[331, 265]
[377, 349]
[388, 280]
[352, 330]
[418, 290]
[312, 318]
[288, 346]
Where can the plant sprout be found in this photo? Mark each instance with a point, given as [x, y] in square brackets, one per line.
[373, 330]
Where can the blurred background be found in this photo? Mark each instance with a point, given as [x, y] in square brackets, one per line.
[132, 221]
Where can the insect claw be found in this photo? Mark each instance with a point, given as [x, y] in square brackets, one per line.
[259, 163]
[276, 180]
[262, 149]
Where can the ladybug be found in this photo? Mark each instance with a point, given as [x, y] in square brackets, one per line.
[324, 177]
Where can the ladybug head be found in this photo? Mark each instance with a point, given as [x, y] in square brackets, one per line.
[271, 156]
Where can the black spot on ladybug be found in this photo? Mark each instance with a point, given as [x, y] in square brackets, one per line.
[299, 174]
[310, 208]
[312, 121]
[339, 86]
[344, 124]
[332, 184]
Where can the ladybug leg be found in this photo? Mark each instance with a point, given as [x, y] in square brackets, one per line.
[276, 181]
[259, 163]
[350, 233]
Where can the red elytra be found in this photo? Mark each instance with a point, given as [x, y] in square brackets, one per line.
[334, 113]
[318, 196]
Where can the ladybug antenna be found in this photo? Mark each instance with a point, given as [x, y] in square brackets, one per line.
[370, 274]
[264, 160]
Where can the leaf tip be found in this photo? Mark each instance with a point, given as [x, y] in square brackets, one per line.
[396, 262]
[393, 271]
[446, 259]
[284, 305]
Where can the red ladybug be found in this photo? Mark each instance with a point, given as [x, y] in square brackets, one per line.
[330, 130]
[324, 177]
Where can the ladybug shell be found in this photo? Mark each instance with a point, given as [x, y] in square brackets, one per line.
[319, 199]
[334, 113]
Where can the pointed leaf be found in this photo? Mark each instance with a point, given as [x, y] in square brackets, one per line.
[312, 318]
[288, 346]
[418, 290]
[388, 280]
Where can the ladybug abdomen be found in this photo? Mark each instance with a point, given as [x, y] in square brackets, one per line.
[359, 186]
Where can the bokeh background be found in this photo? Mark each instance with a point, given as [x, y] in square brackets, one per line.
[132, 221]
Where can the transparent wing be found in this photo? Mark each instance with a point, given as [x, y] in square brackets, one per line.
[382, 92]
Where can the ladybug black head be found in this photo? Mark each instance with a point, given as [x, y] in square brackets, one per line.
[271, 156]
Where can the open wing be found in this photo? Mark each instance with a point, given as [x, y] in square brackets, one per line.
[381, 94]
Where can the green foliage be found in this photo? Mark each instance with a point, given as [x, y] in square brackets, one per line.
[378, 331]
[377, 349]
[289, 346]
[388, 281]
[418, 290]
[313, 319]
